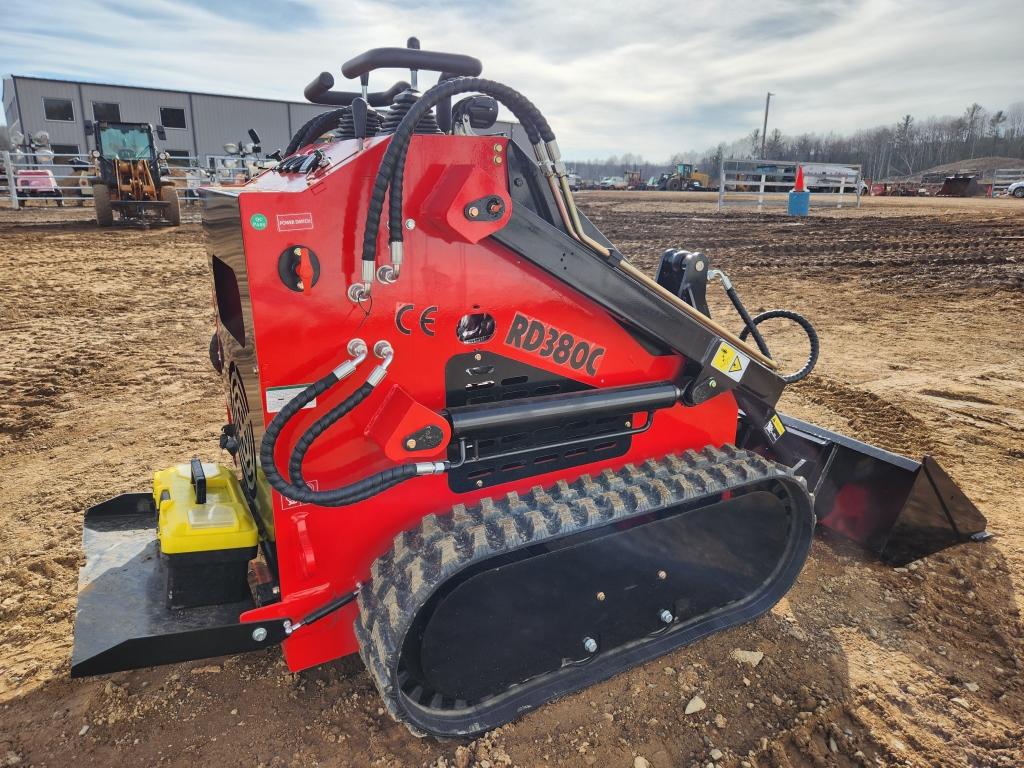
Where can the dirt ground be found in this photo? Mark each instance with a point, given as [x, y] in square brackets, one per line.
[918, 303]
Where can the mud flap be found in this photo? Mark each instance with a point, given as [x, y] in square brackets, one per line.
[122, 620]
[897, 508]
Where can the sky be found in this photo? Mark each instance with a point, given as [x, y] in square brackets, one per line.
[611, 76]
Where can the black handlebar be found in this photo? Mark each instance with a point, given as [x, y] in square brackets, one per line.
[319, 92]
[411, 58]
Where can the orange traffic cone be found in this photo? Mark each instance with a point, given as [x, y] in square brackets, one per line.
[799, 197]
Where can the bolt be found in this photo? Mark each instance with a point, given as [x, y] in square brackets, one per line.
[410, 443]
[699, 266]
[478, 357]
[629, 424]
[519, 181]
[479, 483]
[498, 148]
[601, 596]
[665, 616]
[497, 159]
[410, 224]
[298, 251]
[473, 212]
[259, 634]
[589, 644]
[712, 383]
[662, 575]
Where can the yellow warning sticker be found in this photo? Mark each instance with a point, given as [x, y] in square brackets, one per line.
[724, 357]
[774, 428]
[730, 361]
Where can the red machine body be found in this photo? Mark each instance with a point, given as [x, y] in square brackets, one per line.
[299, 335]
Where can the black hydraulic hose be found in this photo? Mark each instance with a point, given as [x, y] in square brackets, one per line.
[531, 118]
[395, 223]
[320, 125]
[318, 427]
[296, 140]
[803, 322]
[748, 322]
[337, 497]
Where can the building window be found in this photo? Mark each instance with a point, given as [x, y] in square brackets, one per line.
[59, 109]
[106, 111]
[63, 149]
[180, 157]
[172, 117]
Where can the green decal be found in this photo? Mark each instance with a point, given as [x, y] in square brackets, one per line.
[258, 221]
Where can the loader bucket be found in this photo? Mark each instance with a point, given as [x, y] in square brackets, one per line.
[959, 185]
[123, 620]
[897, 508]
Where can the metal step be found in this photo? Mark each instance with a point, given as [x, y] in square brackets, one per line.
[123, 621]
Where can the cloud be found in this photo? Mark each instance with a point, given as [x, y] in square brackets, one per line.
[646, 77]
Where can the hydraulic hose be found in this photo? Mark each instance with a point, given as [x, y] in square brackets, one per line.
[391, 168]
[803, 322]
[748, 322]
[313, 128]
[318, 427]
[297, 489]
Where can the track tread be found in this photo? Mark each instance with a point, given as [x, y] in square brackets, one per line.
[402, 579]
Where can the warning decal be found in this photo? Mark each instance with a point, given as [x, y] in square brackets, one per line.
[774, 428]
[278, 397]
[730, 361]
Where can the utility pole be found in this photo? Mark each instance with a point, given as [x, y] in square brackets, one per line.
[764, 130]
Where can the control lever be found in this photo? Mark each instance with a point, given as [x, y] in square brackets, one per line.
[414, 44]
[311, 163]
[305, 271]
[360, 107]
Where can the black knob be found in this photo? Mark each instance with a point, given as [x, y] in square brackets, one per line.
[359, 110]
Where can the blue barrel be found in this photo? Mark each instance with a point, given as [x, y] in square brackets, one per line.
[799, 203]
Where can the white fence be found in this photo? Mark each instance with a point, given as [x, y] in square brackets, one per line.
[1004, 177]
[62, 180]
[768, 182]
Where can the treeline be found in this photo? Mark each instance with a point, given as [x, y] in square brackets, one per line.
[905, 148]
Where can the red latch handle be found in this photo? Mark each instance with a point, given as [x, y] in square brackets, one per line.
[305, 270]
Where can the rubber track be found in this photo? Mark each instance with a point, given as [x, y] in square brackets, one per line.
[402, 579]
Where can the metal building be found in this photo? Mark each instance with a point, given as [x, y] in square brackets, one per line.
[197, 124]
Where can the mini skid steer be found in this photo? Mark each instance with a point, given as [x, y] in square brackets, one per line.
[471, 441]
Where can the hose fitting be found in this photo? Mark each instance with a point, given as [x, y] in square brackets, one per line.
[357, 349]
[717, 274]
[386, 354]
[359, 292]
[542, 159]
[431, 467]
[388, 273]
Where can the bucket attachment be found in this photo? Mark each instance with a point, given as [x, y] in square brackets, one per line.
[123, 620]
[897, 508]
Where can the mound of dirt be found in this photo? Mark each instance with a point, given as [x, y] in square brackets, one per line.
[983, 166]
